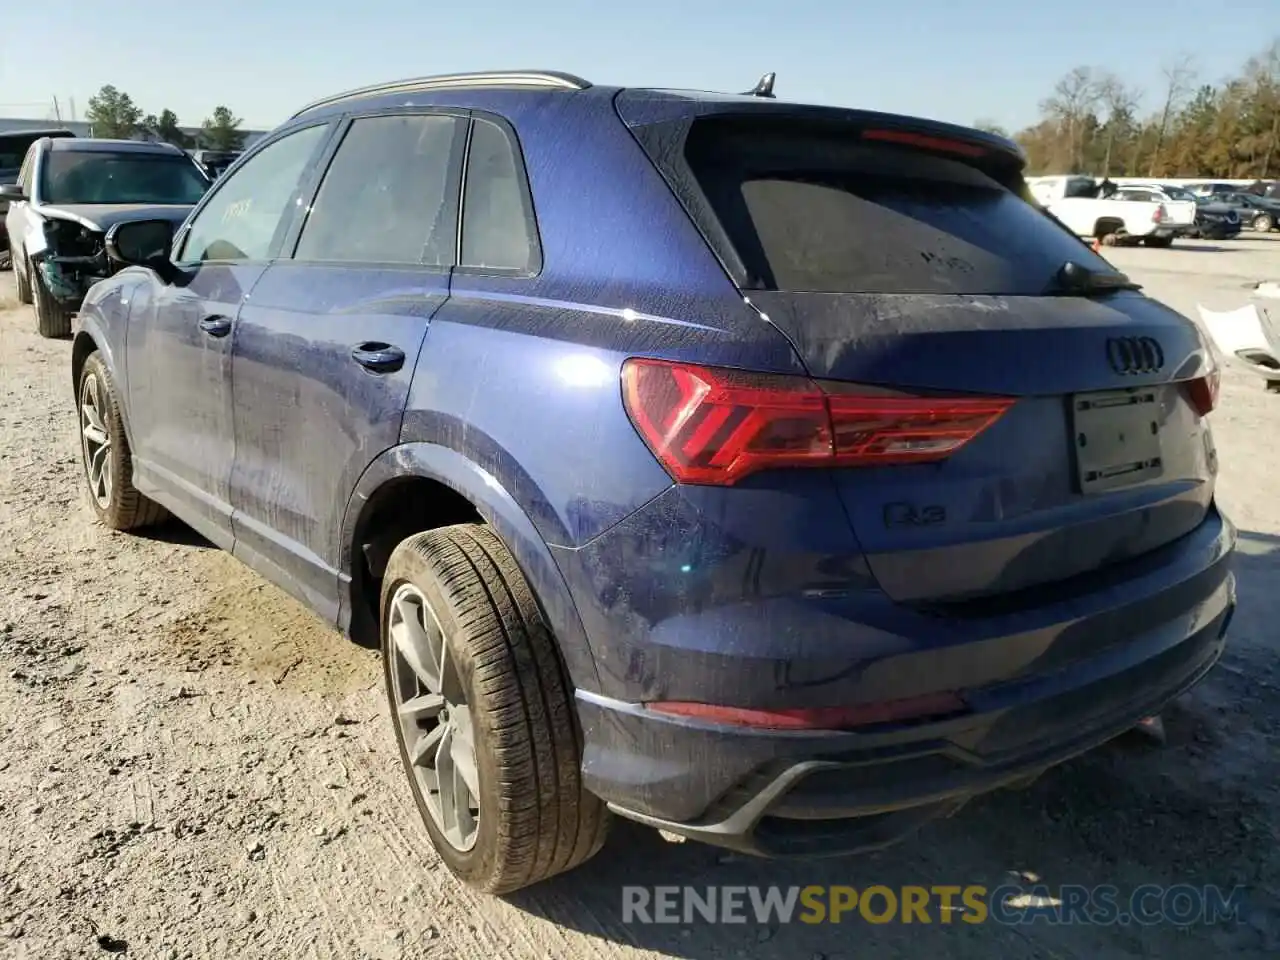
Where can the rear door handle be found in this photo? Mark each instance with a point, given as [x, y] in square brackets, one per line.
[378, 357]
[216, 326]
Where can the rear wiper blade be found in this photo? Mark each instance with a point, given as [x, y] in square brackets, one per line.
[1075, 280]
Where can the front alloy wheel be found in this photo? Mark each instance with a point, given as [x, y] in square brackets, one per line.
[104, 452]
[95, 441]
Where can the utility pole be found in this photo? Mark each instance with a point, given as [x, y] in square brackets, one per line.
[57, 111]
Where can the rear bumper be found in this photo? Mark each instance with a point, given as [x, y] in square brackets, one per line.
[819, 793]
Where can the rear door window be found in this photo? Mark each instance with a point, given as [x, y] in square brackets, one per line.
[814, 208]
[389, 195]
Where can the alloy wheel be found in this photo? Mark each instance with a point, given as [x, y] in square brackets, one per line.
[96, 441]
[435, 719]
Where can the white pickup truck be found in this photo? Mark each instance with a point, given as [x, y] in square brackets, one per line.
[1127, 215]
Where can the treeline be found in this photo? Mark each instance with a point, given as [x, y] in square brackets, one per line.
[114, 114]
[1095, 123]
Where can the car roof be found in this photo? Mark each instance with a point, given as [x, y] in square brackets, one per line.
[37, 134]
[493, 88]
[101, 145]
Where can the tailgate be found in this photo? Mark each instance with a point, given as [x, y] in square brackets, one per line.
[990, 435]
[1180, 212]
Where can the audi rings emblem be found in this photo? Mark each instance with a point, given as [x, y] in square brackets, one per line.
[1134, 355]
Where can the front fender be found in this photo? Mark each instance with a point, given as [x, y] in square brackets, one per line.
[435, 462]
[102, 326]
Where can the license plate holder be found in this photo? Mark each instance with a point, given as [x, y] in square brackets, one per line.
[1116, 436]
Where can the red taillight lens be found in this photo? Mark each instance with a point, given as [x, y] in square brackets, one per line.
[1158, 215]
[1203, 392]
[872, 430]
[923, 707]
[714, 426]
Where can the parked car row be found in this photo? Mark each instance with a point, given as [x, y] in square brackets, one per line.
[1152, 213]
[771, 474]
[1266, 189]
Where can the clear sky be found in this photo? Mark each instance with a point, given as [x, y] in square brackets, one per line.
[956, 60]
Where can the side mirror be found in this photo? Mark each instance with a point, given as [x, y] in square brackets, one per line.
[144, 243]
[12, 192]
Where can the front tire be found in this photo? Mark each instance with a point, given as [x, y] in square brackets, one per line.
[22, 281]
[104, 453]
[484, 713]
[53, 320]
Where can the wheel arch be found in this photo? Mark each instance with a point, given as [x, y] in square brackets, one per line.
[391, 501]
[89, 339]
[1105, 225]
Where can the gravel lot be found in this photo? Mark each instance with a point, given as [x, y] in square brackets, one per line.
[191, 765]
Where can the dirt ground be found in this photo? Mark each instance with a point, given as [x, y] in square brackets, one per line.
[193, 766]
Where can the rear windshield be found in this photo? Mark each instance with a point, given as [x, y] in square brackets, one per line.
[101, 176]
[817, 210]
[13, 149]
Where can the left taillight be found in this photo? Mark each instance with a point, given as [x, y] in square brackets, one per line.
[711, 425]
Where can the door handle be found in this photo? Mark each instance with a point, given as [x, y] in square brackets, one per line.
[216, 326]
[378, 357]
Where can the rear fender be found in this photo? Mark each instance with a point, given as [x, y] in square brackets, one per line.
[492, 501]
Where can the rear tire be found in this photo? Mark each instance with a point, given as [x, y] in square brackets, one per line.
[22, 282]
[53, 320]
[456, 612]
[105, 455]
[1158, 241]
[1263, 223]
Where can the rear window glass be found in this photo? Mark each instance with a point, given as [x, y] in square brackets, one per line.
[820, 211]
[13, 147]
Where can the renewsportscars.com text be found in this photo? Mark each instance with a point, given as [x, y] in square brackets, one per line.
[1182, 905]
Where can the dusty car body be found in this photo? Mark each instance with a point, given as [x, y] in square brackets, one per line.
[68, 193]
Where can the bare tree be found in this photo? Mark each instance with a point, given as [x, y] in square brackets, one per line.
[1120, 101]
[1179, 76]
[1074, 97]
[1263, 74]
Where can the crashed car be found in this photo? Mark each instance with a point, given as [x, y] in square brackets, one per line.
[14, 145]
[69, 192]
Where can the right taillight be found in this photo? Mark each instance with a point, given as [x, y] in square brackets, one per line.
[1203, 392]
[710, 425]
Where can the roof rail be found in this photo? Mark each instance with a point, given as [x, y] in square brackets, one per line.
[545, 79]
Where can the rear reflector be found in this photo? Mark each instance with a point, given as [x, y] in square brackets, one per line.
[925, 142]
[709, 425]
[1203, 392]
[820, 718]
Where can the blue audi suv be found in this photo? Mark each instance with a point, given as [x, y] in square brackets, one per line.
[772, 474]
